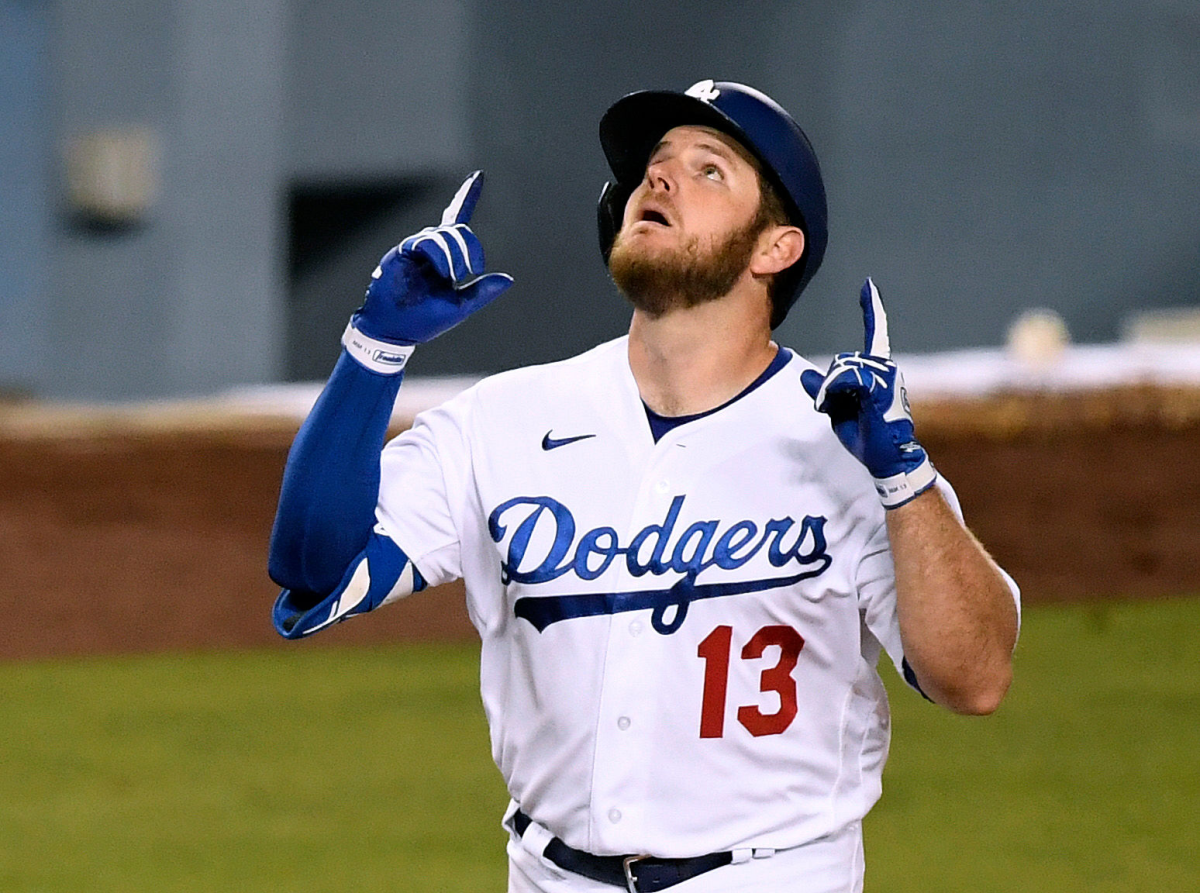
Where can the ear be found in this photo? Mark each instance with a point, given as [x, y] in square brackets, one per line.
[778, 248]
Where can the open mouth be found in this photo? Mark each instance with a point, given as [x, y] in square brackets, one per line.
[651, 216]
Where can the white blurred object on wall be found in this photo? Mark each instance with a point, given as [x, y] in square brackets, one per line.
[113, 174]
[1167, 325]
[1037, 339]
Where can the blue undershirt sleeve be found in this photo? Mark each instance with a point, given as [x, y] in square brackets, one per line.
[331, 482]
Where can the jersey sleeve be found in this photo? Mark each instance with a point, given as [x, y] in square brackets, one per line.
[380, 574]
[876, 581]
[425, 482]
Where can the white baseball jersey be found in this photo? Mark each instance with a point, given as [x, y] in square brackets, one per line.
[679, 639]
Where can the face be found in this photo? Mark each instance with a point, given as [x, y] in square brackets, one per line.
[692, 225]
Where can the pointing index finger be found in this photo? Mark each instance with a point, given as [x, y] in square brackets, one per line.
[462, 206]
[877, 343]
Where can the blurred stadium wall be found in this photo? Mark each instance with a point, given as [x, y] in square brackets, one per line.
[194, 192]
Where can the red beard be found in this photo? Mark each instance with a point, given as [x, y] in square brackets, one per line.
[656, 281]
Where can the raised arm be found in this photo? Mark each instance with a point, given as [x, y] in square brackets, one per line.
[424, 286]
[957, 612]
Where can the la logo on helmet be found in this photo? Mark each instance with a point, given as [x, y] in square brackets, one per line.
[705, 91]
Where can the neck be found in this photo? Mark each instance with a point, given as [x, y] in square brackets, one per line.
[693, 359]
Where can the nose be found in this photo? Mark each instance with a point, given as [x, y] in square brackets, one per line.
[658, 176]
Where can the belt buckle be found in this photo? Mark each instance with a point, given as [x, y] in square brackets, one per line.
[628, 863]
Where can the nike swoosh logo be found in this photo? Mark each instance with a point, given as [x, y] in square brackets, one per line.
[552, 443]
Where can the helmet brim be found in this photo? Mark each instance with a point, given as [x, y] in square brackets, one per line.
[635, 124]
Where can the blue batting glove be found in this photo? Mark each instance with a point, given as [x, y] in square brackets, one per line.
[863, 394]
[427, 284]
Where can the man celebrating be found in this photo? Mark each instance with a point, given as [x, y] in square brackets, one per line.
[684, 550]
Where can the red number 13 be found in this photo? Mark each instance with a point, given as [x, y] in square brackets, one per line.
[715, 652]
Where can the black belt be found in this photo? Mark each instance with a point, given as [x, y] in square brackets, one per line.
[638, 874]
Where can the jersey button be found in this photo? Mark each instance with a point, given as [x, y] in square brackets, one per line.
[662, 486]
[635, 628]
[623, 723]
[614, 815]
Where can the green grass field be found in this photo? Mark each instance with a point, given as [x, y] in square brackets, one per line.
[318, 769]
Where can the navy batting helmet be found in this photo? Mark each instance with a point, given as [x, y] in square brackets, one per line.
[632, 127]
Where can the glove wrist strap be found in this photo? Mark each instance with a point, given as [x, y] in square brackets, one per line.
[898, 489]
[377, 356]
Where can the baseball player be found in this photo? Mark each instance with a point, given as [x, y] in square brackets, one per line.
[684, 550]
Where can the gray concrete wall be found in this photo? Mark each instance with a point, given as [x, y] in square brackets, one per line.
[986, 157]
[376, 89]
[24, 192]
[189, 299]
[980, 158]
[378, 137]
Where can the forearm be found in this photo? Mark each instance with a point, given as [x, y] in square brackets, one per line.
[958, 619]
[331, 481]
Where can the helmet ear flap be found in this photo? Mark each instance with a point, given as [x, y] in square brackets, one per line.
[610, 212]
